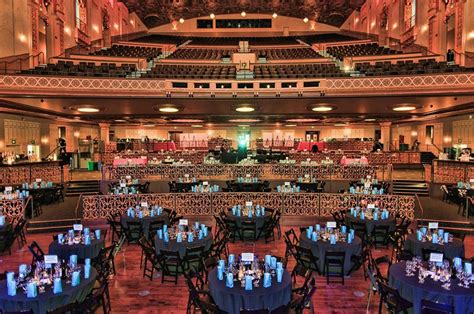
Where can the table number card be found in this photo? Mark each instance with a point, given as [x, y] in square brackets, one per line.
[123, 184]
[248, 204]
[183, 222]
[77, 227]
[128, 177]
[8, 189]
[50, 259]
[144, 204]
[436, 257]
[287, 183]
[38, 180]
[205, 183]
[370, 206]
[247, 257]
[181, 160]
[331, 224]
[433, 225]
[186, 175]
[306, 175]
[247, 175]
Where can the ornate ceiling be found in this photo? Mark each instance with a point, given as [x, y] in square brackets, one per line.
[158, 12]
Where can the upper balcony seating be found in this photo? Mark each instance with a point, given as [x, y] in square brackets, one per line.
[369, 49]
[297, 71]
[326, 38]
[129, 52]
[160, 39]
[234, 41]
[201, 54]
[184, 71]
[408, 67]
[68, 68]
[288, 53]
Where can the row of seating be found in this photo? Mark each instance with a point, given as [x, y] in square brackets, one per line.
[68, 68]
[201, 54]
[369, 49]
[191, 71]
[298, 71]
[129, 52]
[423, 66]
[288, 54]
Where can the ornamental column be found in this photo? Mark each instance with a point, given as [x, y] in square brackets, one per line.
[386, 135]
[104, 129]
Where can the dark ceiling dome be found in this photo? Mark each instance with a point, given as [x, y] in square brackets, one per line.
[159, 12]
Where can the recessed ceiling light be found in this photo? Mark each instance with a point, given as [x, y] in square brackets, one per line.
[120, 120]
[243, 125]
[302, 120]
[290, 125]
[245, 108]
[370, 120]
[149, 125]
[88, 109]
[168, 109]
[404, 107]
[244, 120]
[196, 126]
[322, 108]
[341, 124]
[187, 120]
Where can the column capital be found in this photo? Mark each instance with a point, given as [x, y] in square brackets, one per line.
[385, 124]
[104, 125]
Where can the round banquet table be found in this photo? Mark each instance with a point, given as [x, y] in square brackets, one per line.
[462, 299]
[260, 220]
[47, 301]
[370, 223]
[233, 299]
[307, 186]
[247, 186]
[145, 221]
[180, 247]
[63, 251]
[450, 250]
[320, 247]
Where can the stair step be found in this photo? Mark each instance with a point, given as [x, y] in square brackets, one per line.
[45, 226]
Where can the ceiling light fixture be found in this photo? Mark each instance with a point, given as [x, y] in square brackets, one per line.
[275, 15]
[290, 125]
[168, 109]
[322, 108]
[181, 20]
[243, 14]
[212, 16]
[245, 108]
[370, 120]
[404, 107]
[196, 126]
[87, 109]
[306, 20]
[120, 120]
[149, 125]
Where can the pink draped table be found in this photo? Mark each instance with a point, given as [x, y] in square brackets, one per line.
[308, 146]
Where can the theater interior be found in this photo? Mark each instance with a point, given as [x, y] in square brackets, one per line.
[236, 156]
